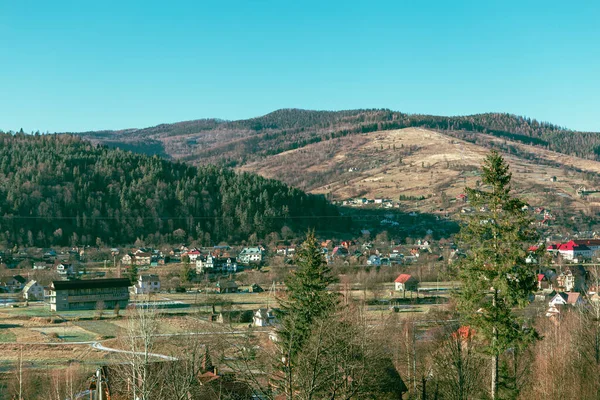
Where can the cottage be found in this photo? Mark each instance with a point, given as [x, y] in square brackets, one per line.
[263, 317]
[562, 298]
[406, 282]
[33, 291]
[64, 269]
[227, 287]
[87, 294]
[147, 283]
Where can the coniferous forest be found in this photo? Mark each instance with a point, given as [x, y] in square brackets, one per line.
[61, 190]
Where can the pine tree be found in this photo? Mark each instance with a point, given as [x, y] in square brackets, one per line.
[133, 273]
[494, 275]
[307, 301]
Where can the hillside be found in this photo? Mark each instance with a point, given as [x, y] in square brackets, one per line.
[59, 189]
[415, 163]
[235, 143]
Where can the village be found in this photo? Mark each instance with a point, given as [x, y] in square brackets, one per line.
[567, 272]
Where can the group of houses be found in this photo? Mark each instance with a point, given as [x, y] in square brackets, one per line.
[576, 250]
[206, 260]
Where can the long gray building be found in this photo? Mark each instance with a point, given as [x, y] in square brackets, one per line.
[87, 294]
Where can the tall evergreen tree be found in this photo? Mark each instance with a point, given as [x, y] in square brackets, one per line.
[494, 275]
[307, 300]
[132, 273]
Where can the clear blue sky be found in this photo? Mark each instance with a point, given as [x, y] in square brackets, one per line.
[87, 65]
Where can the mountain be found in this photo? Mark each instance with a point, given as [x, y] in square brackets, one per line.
[60, 190]
[235, 143]
[428, 170]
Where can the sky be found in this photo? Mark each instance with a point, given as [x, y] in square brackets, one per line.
[68, 66]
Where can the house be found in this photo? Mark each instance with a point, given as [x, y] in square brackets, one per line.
[592, 244]
[250, 255]
[573, 278]
[227, 287]
[374, 260]
[263, 317]
[255, 288]
[127, 259]
[33, 291]
[193, 255]
[42, 265]
[562, 298]
[571, 250]
[64, 269]
[87, 294]
[205, 264]
[543, 282]
[146, 284]
[406, 282]
[286, 251]
[339, 252]
[228, 264]
[142, 258]
[15, 283]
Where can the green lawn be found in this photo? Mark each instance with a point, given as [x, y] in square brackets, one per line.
[100, 328]
[7, 336]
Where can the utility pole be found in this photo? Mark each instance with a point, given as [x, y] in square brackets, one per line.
[21, 373]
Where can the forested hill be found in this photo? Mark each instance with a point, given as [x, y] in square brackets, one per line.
[59, 189]
[235, 143]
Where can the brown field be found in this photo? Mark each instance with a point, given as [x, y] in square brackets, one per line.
[419, 162]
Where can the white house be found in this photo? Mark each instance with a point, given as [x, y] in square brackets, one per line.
[406, 282]
[571, 250]
[250, 255]
[64, 269]
[33, 291]
[205, 265]
[147, 284]
[562, 298]
[263, 317]
[193, 255]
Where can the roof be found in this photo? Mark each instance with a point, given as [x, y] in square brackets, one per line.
[572, 297]
[149, 278]
[19, 279]
[227, 284]
[569, 246]
[90, 284]
[540, 277]
[250, 250]
[403, 278]
[587, 242]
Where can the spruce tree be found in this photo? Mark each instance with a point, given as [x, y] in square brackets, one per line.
[133, 273]
[495, 277]
[307, 300]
